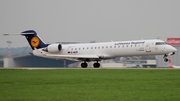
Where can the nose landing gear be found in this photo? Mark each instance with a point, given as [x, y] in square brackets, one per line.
[173, 53]
[165, 58]
[166, 55]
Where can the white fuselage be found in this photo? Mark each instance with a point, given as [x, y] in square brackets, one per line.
[109, 49]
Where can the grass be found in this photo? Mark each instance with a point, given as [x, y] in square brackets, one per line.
[90, 85]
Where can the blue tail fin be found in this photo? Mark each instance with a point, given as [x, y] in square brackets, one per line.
[33, 39]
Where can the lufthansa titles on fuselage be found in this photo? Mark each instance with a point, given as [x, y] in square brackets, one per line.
[128, 43]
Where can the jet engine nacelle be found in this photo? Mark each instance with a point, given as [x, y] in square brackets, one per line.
[53, 48]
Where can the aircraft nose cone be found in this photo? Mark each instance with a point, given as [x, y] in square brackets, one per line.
[174, 49]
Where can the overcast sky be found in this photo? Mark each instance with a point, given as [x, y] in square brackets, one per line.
[87, 20]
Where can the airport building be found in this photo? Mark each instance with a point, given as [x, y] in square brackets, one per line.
[175, 59]
[34, 61]
[11, 61]
[1, 63]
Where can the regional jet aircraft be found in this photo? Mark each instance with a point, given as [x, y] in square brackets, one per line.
[87, 52]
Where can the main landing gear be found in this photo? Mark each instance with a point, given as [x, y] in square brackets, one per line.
[84, 65]
[96, 65]
[166, 55]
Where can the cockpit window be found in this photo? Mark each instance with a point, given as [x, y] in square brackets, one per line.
[161, 43]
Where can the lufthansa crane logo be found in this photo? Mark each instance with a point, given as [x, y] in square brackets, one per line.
[35, 42]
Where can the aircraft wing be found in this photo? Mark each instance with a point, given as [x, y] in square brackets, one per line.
[75, 57]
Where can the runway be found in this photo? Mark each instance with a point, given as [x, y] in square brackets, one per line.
[43, 68]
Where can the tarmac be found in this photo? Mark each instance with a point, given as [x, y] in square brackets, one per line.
[43, 68]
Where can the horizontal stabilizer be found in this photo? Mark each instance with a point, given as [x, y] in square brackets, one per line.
[11, 34]
[24, 34]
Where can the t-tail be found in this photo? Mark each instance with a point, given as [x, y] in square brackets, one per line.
[33, 39]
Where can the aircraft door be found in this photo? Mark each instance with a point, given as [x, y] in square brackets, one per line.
[148, 47]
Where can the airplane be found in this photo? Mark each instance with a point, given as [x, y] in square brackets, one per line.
[88, 52]
[172, 66]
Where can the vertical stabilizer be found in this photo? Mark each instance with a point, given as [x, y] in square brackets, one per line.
[33, 40]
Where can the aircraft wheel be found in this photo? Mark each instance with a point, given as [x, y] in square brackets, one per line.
[173, 53]
[165, 60]
[96, 65]
[84, 65]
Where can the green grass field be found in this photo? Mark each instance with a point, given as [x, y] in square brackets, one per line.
[90, 85]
